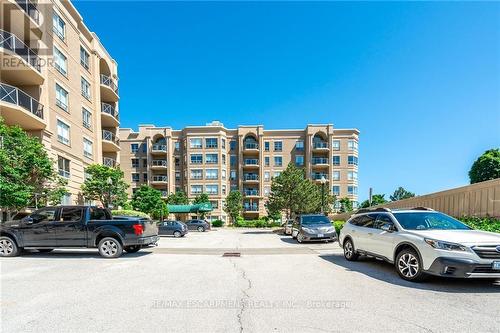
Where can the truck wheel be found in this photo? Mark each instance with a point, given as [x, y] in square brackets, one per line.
[8, 248]
[132, 249]
[110, 247]
[45, 250]
[201, 229]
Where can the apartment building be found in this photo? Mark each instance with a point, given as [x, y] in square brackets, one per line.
[215, 160]
[59, 83]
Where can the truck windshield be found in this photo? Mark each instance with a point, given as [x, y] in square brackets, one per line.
[315, 219]
[428, 221]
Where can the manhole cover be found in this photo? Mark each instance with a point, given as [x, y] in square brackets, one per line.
[231, 254]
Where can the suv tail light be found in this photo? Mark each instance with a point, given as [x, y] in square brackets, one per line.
[138, 229]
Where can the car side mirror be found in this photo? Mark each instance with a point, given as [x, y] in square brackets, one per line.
[28, 220]
[387, 227]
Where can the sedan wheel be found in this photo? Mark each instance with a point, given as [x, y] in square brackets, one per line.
[8, 247]
[300, 238]
[201, 229]
[177, 234]
[110, 248]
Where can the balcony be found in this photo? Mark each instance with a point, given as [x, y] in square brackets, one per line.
[20, 64]
[109, 162]
[251, 192]
[320, 146]
[317, 176]
[109, 89]
[19, 108]
[158, 164]
[251, 163]
[110, 143]
[319, 162]
[109, 115]
[250, 207]
[159, 180]
[158, 149]
[251, 177]
[251, 147]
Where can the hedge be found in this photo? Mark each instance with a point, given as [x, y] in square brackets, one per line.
[217, 223]
[125, 212]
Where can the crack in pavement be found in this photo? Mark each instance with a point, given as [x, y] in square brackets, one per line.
[245, 296]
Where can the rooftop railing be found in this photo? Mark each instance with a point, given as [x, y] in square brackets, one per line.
[11, 42]
[16, 96]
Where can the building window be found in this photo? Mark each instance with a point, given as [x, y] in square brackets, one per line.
[352, 175]
[223, 143]
[211, 158]
[212, 189]
[195, 143]
[352, 145]
[266, 146]
[299, 145]
[61, 98]
[177, 175]
[87, 148]
[211, 143]
[336, 175]
[336, 160]
[134, 147]
[234, 187]
[224, 189]
[266, 160]
[135, 163]
[177, 146]
[63, 165]
[87, 118]
[223, 174]
[267, 176]
[60, 62]
[215, 204]
[85, 88]
[278, 146]
[196, 189]
[232, 175]
[232, 160]
[66, 199]
[278, 161]
[211, 174]
[267, 190]
[232, 145]
[352, 190]
[299, 160]
[145, 177]
[336, 144]
[336, 190]
[196, 159]
[135, 177]
[352, 160]
[63, 133]
[59, 27]
[145, 163]
[84, 58]
[223, 159]
[177, 161]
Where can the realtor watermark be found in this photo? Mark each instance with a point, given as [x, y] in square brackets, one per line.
[249, 304]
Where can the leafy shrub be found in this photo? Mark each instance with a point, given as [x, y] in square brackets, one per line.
[217, 223]
[338, 225]
[125, 212]
[482, 223]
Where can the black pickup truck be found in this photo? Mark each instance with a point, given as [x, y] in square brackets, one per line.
[77, 226]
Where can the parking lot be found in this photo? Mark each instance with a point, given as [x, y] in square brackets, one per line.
[277, 285]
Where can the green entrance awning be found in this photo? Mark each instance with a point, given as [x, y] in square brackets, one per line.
[203, 207]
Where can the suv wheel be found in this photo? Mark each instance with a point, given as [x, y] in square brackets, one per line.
[409, 266]
[349, 252]
[201, 229]
[8, 248]
[110, 247]
[177, 234]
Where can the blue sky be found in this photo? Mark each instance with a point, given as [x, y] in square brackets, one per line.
[421, 81]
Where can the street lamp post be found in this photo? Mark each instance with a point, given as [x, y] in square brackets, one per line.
[323, 182]
[110, 183]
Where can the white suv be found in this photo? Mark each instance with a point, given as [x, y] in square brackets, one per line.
[420, 241]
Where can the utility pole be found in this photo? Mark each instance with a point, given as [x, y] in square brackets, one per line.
[370, 193]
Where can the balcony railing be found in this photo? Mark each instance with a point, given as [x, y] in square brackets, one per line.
[251, 145]
[16, 96]
[251, 192]
[251, 176]
[110, 136]
[159, 179]
[251, 161]
[160, 148]
[318, 176]
[320, 145]
[30, 9]
[109, 109]
[319, 160]
[108, 81]
[160, 163]
[107, 161]
[11, 42]
[251, 208]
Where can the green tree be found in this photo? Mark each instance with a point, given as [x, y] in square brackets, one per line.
[148, 200]
[377, 199]
[345, 205]
[105, 184]
[199, 199]
[178, 198]
[400, 193]
[486, 167]
[234, 205]
[27, 174]
[293, 193]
